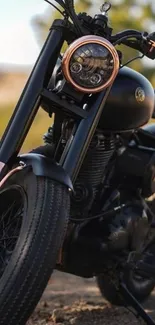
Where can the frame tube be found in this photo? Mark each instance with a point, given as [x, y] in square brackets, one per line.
[83, 136]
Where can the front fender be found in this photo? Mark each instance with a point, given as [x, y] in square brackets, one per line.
[43, 166]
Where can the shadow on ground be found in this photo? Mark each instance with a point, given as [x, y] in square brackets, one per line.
[70, 300]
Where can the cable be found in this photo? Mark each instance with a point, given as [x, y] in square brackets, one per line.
[135, 58]
[72, 13]
[102, 215]
[61, 12]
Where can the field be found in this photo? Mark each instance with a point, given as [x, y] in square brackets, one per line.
[11, 85]
[70, 300]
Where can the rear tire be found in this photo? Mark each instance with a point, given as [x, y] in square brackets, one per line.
[139, 287]
[33, 256]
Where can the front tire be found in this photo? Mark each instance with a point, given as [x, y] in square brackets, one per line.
[30, 254]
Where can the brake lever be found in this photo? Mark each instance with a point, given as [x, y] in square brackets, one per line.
[145, 45]
[151, 45]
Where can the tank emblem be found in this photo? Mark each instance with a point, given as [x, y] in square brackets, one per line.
[140, 95]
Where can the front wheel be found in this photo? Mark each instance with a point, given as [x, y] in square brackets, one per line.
[33, 218]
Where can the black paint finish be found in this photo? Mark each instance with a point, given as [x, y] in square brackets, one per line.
[123, 111]
[43, 166]
[84, 135]
[29, 101]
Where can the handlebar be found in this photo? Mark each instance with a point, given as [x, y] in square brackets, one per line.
[143, 42]
[125, 33]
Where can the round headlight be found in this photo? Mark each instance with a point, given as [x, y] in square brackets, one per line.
[90, 64]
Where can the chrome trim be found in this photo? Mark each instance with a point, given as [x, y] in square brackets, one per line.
[9, 174]
[1, 165]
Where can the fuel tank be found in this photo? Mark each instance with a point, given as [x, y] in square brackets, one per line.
[130, 103]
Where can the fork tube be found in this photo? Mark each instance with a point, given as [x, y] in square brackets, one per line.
[29, 101]
[83, 135]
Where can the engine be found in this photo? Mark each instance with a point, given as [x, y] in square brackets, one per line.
[92, 173]
[126, 227]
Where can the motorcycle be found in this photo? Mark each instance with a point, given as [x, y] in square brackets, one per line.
[83, 203]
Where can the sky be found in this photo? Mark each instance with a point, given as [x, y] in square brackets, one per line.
[18, 45]
[17, 37]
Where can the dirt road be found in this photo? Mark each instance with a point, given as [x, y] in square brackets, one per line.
[70, 300]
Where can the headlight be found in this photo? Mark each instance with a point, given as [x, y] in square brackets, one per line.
[90, 64]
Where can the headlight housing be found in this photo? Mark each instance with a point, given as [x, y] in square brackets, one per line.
[90, 64]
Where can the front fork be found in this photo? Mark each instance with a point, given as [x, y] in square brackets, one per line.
[30, 99]
[29, 103]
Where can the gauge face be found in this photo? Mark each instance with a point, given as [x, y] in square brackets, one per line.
[90, 64]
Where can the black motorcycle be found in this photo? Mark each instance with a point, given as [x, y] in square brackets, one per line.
[84, 202]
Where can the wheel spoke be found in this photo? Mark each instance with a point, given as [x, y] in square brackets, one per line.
[6, 213]
[10, 224]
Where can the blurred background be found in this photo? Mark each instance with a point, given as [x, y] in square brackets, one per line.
[23, 28]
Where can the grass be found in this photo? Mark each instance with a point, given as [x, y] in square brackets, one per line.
[39, 126]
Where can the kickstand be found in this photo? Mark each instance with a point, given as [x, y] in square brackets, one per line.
[129, 298]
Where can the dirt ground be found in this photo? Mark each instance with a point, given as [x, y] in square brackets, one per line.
[70, 300]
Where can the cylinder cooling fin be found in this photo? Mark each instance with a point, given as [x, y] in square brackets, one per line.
[92, 172]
